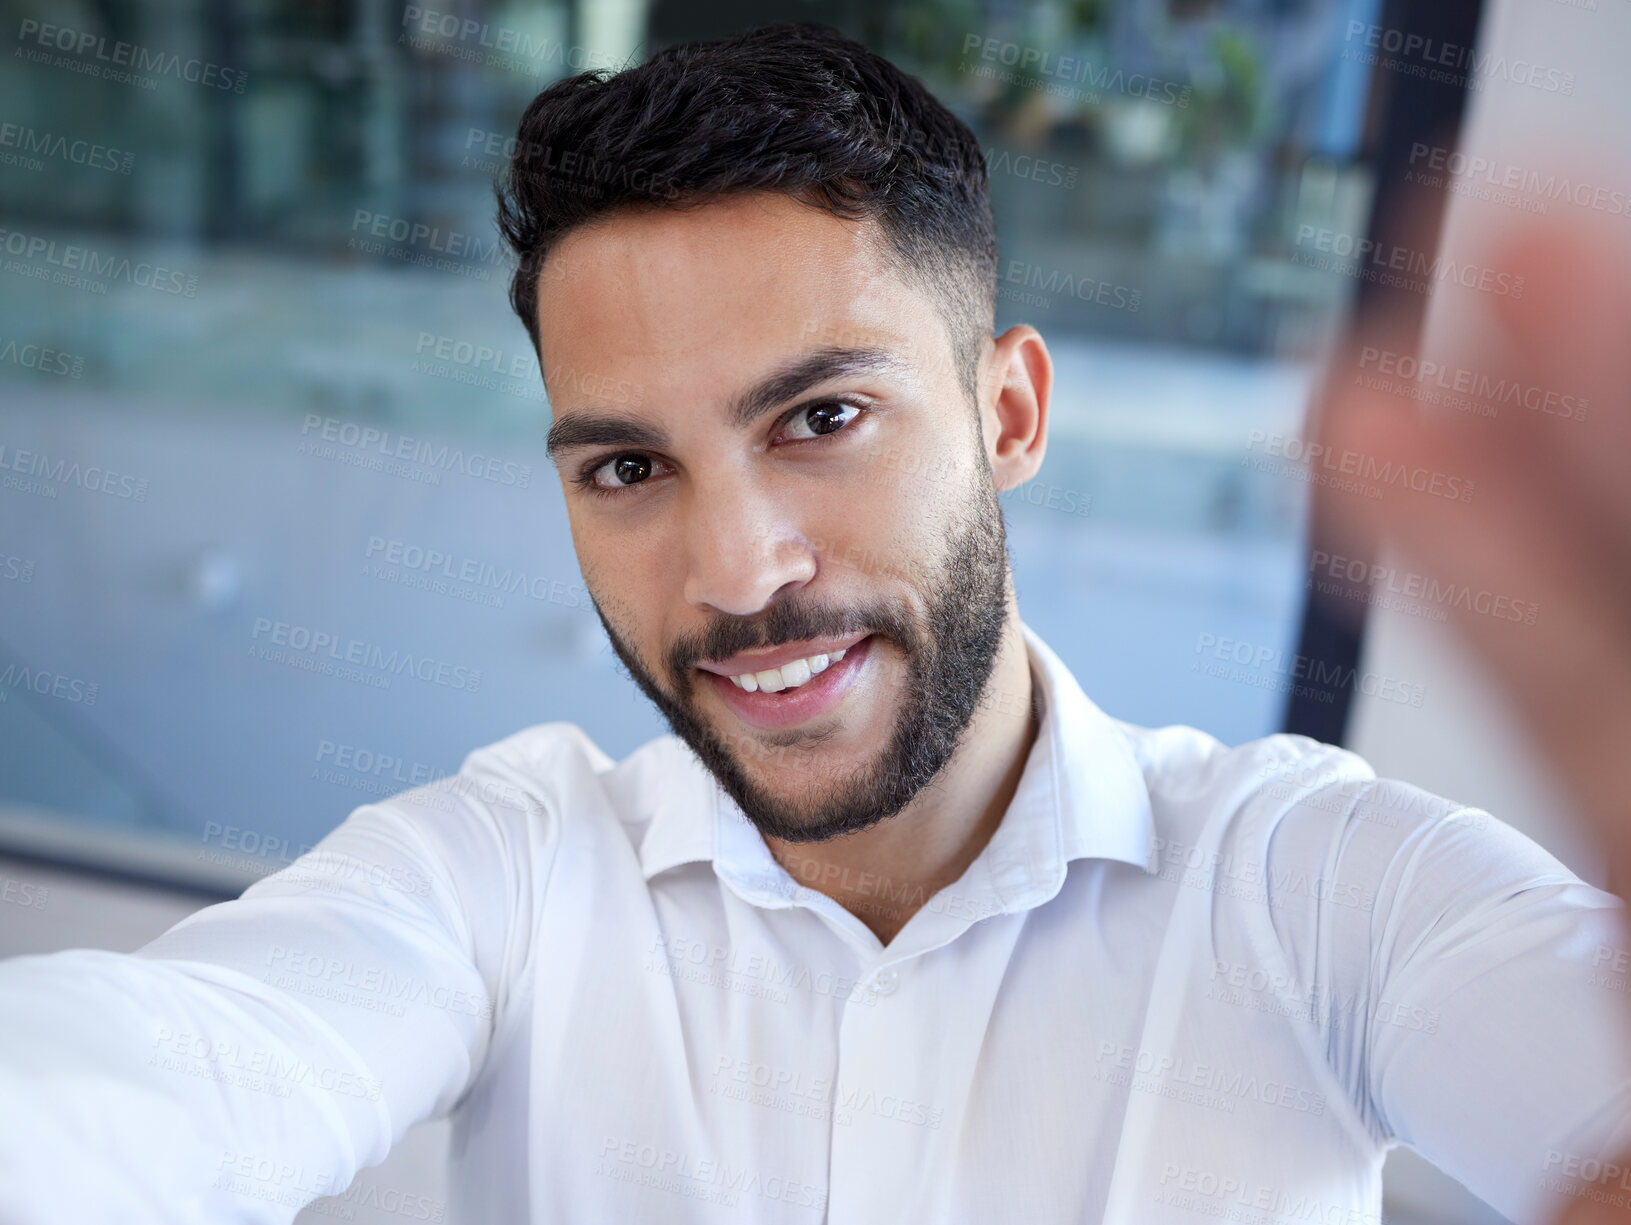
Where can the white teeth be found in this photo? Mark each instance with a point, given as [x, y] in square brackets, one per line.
[788, 676]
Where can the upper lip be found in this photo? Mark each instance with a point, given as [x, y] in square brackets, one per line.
[762, 661]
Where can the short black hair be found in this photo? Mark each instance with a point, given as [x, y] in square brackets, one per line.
[795, 108]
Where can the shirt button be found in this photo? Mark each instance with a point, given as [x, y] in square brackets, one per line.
[885, 981]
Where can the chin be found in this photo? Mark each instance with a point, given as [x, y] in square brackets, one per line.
[806, 829]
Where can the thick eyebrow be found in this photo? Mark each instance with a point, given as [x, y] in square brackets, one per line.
[594, 428]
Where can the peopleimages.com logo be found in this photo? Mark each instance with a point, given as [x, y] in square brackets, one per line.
[1039, 66]
[81, 267]
[96, 55]
[435, 457]
[322, 651]
[1433, 59]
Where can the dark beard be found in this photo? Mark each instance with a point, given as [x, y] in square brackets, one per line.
[949, 663]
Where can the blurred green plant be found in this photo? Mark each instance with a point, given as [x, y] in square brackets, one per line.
[1230, 108]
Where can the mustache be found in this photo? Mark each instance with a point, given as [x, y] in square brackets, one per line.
[790, 620]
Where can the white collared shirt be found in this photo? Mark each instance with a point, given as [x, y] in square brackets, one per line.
[1182, 982]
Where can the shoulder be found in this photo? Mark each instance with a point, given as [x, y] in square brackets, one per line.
[556, 755]
[558, 774]
[1284, 809]
[523, 792]
[1296, 828]
[539, 751]
[1202, 789]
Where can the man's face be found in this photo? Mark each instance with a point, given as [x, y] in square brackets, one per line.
[767, 458]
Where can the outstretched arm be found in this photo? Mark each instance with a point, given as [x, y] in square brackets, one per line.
[1552, 519]
[263, 1050]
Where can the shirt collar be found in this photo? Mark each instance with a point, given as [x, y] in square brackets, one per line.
[1081, 795]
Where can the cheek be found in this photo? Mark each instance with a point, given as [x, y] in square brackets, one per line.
[606, 581]
[894, 524]
[927, 488]
[633, 575]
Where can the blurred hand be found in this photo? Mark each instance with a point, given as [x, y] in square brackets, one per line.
[1549, 519]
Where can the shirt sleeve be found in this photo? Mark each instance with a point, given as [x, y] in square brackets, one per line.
[1471, 1008]
[259, 1053]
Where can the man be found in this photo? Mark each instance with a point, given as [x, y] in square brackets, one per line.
[898, 926]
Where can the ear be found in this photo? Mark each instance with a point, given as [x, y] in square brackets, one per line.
[1015, 386]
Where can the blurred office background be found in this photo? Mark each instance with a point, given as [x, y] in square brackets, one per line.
[1147, 218]
[254, 313]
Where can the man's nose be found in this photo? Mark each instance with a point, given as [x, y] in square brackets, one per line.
[744, 547]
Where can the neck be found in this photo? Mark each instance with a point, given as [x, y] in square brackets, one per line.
[885, 874]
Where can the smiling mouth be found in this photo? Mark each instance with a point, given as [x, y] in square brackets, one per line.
[795, 691]
[775, 669]
[789, 675]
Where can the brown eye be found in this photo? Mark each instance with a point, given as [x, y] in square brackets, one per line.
[624, 470]
[825, 418]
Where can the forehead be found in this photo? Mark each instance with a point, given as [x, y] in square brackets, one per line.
[708, 295]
